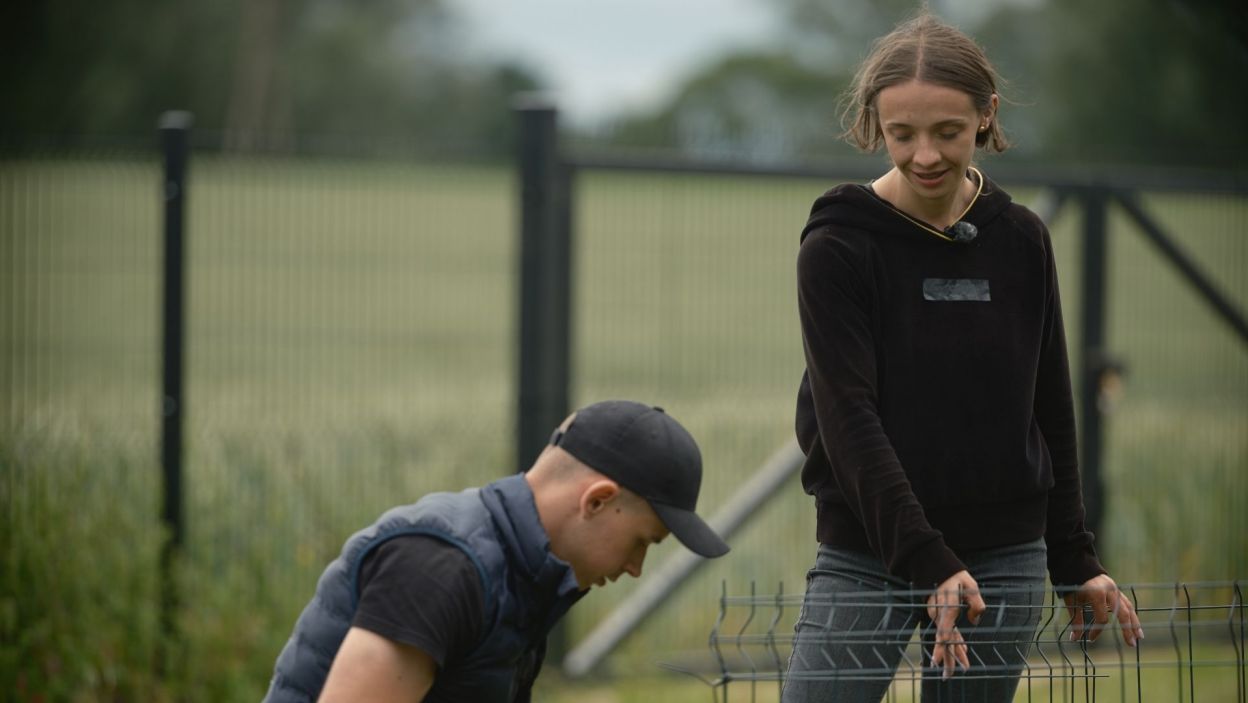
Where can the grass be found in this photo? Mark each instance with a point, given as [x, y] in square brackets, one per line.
[1106, 679]
[351, 346]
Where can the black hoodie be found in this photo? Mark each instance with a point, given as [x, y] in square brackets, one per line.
[936, 413]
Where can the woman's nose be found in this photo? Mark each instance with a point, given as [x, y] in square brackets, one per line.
[926, 154]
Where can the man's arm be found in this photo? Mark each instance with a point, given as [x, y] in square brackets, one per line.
[370, 667]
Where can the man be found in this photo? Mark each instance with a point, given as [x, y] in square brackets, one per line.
[451, 598]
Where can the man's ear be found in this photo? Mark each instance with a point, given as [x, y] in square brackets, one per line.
[598, 495]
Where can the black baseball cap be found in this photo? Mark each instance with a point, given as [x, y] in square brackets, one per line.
[645, 450]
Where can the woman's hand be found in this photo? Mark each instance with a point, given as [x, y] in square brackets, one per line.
[1101, 594]
[943, 607]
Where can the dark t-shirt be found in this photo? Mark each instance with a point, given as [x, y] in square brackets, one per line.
[424, 592]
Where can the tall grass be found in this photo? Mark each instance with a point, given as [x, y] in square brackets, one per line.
[79, 600]
[351, 347]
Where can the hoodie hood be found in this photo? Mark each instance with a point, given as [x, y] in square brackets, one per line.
[857, 207]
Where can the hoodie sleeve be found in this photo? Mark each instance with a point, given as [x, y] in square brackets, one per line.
[836, 303]
[1072, 559]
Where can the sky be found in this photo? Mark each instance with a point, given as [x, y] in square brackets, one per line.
[602, 56]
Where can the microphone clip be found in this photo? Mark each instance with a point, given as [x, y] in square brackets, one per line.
[962, 232]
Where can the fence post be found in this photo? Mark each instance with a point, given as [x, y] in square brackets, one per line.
[175, 130]
[545, 290]
[1094, 356]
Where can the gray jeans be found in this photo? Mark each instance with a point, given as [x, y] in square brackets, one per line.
[857, 620]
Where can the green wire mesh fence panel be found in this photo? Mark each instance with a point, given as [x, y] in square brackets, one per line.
[1193, 648]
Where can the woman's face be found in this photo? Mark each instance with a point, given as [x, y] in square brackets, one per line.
[929, 131]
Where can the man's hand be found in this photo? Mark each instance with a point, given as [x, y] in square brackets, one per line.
[1101, 594]
[943, 607]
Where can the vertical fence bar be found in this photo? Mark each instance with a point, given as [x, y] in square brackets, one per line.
[545, 291]
[175, 129]
[1094, 354]
[545, 282]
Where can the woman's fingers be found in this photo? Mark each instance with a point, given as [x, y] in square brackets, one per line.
[950, 651]
[943, 607]
[1075, 609]
[1132, 630]
[1100, 601]
[975, 606]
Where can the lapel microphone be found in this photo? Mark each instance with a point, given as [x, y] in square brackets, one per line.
[962, 232]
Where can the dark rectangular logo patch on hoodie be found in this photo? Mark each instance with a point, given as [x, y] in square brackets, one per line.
[956, 289]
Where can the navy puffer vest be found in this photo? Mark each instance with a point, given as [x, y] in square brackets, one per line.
[527, 589]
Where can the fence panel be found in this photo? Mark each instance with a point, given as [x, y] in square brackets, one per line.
[1176, 460]
[79, 423]
[684, 297]
[349, 348]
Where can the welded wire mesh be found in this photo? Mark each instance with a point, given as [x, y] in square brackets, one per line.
[1193, 647]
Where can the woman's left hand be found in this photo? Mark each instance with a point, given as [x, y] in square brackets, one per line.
[1101, 594]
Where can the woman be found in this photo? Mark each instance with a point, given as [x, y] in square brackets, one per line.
[935, 413]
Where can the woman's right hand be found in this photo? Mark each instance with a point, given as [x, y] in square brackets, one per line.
[1102, 596]
[943, 607]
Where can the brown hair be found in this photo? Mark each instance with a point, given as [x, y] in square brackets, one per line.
[926, 49]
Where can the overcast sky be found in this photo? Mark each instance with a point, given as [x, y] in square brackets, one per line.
[602, 55]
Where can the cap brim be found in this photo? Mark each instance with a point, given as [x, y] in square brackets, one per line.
[691, 531]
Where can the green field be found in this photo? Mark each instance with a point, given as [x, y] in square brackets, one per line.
[352, 346]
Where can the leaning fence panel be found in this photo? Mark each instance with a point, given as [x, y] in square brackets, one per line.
[1193, 647]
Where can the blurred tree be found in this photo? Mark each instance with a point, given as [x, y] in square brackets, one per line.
[77, 66]
[256, 104]
[1125, 82]
[764, 106]
[1116, 81]
[839, 34]
[259, 71]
